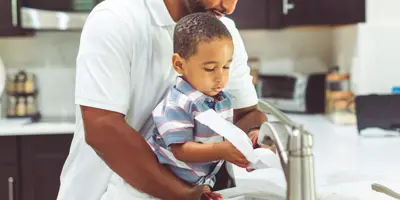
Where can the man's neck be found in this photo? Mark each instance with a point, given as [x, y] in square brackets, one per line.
[176, 9]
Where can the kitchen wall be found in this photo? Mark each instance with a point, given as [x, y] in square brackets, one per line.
[51, 55]
[369, 50]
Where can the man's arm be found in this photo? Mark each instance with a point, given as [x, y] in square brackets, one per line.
[249, 118]
[126, 152]
[103, 90]
[240, 85]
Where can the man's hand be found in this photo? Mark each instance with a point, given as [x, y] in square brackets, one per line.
[231, 154]
[253, 135]
[208, 195]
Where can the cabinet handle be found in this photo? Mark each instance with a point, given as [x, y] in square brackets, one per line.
[287, 6]
[10, 188]
[14, 12]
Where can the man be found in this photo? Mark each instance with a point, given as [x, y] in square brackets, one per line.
[123, 71]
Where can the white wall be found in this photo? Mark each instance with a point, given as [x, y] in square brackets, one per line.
[383, 12]
[371, 48]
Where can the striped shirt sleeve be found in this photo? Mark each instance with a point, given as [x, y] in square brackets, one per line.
[175, 123]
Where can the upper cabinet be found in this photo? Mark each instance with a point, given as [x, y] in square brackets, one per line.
[19, 16]
[62, 5]
[276, 14]
[10, 18]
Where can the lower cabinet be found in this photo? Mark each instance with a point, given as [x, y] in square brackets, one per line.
[9, 181]
[31, 170]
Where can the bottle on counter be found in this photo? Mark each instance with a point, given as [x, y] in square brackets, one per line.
[30, 106]
[30, 84]
[11, 87]
[11, 106]
[21, 107]
[20, 82]
[340, 107]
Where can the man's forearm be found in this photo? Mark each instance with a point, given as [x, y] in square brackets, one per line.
[248, 118]
[127, 153]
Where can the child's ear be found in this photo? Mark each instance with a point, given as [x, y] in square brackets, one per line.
[177, 63]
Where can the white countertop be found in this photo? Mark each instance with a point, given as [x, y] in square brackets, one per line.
[346, 164]
[9, 127]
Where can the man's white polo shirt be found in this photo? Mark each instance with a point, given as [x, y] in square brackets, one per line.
[124, 65]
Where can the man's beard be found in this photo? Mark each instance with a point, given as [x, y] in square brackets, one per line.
[195, 6]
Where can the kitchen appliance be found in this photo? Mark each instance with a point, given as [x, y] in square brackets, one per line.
[56, 15]
[295, 92]
[378, 111]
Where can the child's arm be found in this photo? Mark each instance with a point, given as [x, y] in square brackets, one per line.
[197, 152]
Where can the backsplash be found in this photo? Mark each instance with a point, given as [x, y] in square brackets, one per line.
[56, 90]
[51, 55]
[292, 43]
[45, 49]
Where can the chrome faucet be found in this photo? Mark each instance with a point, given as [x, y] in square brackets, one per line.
[294, 146]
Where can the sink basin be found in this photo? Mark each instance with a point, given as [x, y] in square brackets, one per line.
[255, 197]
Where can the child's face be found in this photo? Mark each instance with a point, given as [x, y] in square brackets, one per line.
[208, 69]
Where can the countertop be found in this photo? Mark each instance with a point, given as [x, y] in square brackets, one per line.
[18, 127]
[346, 164]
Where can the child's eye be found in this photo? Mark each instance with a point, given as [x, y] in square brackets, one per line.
[209, 70]
[226, 67]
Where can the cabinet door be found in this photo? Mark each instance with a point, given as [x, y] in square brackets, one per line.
[250, 15]
[8, 168]
[324, 12]
[10, 18]
[258, 14]
[65, 5]
[9, 182]
[42, 159]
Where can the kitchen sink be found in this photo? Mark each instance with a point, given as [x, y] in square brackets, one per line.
[255, 197]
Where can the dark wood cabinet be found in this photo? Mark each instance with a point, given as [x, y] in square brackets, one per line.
[42, 159]
[10, 18]
[9, 178]
[276, 14]
[324, 12]
[65, 5]
[9, 182]
[30, 166]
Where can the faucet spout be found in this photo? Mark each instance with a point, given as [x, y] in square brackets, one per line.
[294, 147]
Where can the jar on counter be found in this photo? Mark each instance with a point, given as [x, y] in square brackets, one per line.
[21, 107]
[20, 82]
[11, 86]
[11, 106]
[30, 84]
[340, 107]
[31, 106]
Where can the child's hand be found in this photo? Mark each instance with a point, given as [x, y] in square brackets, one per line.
[231, 154]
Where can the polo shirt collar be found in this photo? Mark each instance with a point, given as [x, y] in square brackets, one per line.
[186, 88]
[159, 12]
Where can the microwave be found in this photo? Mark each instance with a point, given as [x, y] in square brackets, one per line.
[297, 93]
[56, 14]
